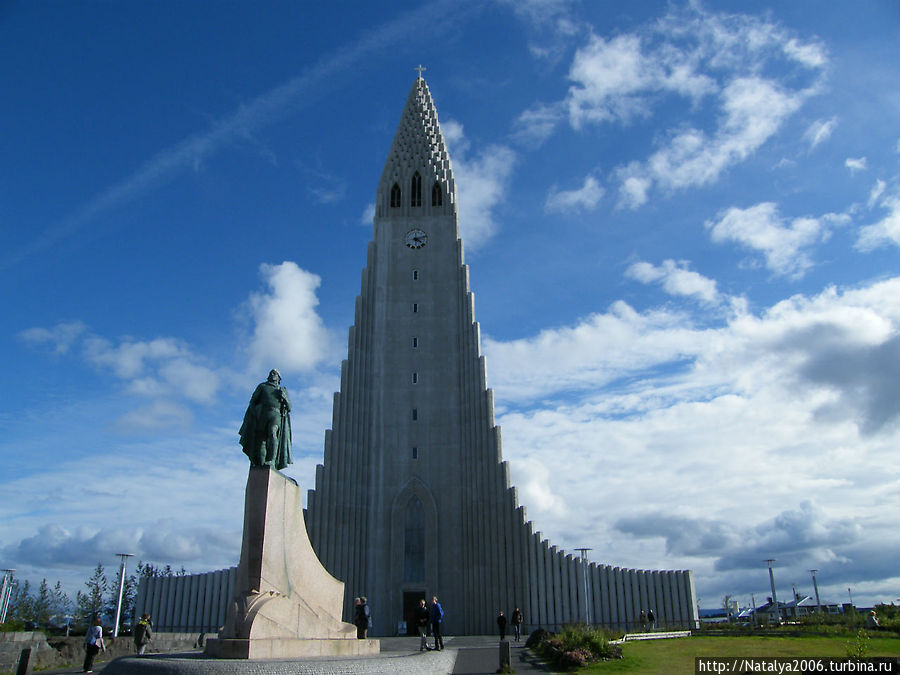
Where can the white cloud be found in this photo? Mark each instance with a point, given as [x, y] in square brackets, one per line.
[537, 124]
[288, 334]
[885, 232]
[701, 58]
[810, 54]
[634, 189]
[784, 245]
[647, 408]
[820, 131]
[158, 368]
[856, 164]
[368, 215]
[584, 198]
[876, 192]
[676, 279]
[62, 336]
[753, 108]
[482, 179]
[615, 79]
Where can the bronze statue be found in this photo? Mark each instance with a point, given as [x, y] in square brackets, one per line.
[266, 431]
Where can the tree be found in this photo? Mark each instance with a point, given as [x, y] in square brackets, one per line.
[90, 604]
[727, 602]
[42, 606]
[62, 605]
[129, 592]
[21, 604]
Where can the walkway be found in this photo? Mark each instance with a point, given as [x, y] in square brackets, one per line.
[467, 655]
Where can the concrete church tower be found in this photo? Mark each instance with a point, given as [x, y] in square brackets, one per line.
[413, 498]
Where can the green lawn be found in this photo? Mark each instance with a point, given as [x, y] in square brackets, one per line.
[677, 655]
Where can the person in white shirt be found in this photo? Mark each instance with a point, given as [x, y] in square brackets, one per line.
[93, 644]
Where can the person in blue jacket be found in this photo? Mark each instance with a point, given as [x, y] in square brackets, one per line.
[437, 615]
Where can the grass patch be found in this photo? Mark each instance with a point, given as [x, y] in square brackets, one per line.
[677, 655]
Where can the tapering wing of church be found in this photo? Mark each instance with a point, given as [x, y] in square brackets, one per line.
[413, 498]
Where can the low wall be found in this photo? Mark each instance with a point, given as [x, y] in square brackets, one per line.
[58, 652]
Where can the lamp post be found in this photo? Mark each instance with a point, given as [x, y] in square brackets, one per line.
[772, 583]
[124, 557]
[587, 606]
[5, 593]
[816, 586]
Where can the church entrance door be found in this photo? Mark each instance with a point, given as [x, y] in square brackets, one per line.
[411, 601]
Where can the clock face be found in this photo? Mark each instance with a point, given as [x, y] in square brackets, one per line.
[416, 238]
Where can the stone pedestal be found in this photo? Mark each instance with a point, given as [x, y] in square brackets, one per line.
[285, 603]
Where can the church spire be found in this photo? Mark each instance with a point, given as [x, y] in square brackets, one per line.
[418, 148]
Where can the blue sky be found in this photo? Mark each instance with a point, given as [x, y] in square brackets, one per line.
[682, 223]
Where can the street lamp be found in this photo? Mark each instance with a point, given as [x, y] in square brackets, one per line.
[816, 586]
[587, 606]
[124, 557]
[772, 583]
[5, 593]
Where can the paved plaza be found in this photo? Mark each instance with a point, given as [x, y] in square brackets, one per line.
[468, 655]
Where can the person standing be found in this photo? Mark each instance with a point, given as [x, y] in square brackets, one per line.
[93, 644]
[143, 633]
[501, 624]
[422, 618]
[651, 619]
[363, 619]
[437, 616]
[516, 620]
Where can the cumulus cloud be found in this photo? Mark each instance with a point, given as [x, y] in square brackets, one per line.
[772, 409]
[676, 279]
[784, 245]
[584, 198]
[705, 59]
[161, 367]
[838, 344]
[885, 232]
[805, 532]
[753, 110]
[614, 79]
[288, 334]
[483, 180]
[176, 543]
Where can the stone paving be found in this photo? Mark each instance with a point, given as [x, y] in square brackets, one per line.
[469, 655]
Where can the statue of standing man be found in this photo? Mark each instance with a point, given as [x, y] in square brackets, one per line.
[266, 431]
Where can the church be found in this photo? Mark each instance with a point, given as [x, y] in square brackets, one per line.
[413, 498]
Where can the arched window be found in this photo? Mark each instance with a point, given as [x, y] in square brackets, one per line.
[437, 195]
[414, 542]
[395, 196]
[415, 197]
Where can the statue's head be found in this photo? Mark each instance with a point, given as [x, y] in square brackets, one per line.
[274, 376]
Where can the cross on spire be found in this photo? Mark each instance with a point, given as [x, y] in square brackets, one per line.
[419, 69]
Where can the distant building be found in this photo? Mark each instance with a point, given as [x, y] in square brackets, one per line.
[802, 606]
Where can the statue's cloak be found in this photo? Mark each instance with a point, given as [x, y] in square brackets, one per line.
[253, 431]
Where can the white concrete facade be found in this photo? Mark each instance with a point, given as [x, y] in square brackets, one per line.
[413, 496]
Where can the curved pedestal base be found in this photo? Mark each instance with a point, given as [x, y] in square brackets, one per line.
[285, 604]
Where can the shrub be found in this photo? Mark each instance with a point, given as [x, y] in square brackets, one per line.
[574, 646]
